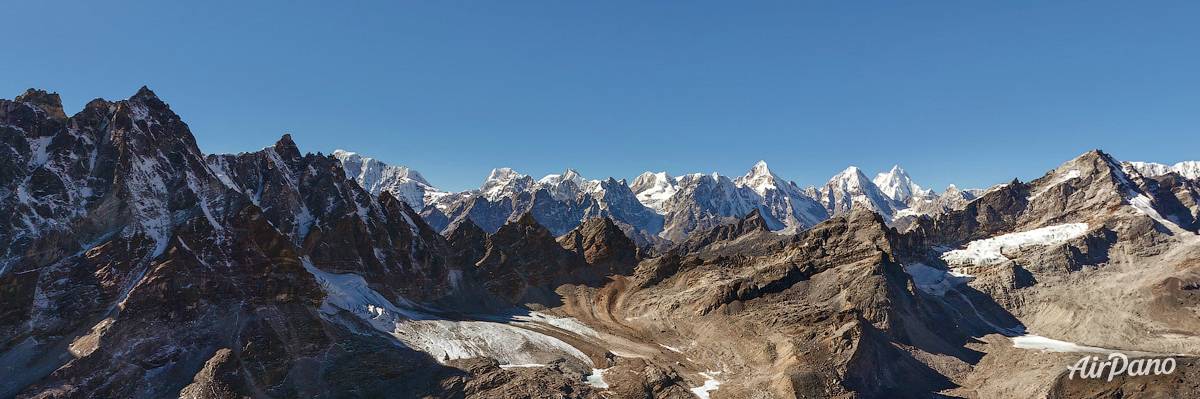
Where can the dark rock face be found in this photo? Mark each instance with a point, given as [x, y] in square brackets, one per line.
[523, 262]
[1178, 197]
[603, 247]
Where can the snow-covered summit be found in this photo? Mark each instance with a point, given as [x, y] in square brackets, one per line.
[376, 177]
[852, 186]
[781, 201]
[569, 184]
[503, 182]
[652, 189]
[898, 186]
[760, 179]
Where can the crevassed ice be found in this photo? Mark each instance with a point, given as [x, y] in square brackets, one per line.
[440, 338]
[991, 250]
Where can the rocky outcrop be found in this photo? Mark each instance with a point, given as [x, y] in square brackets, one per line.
[748, 236]
[604, 247]
[523, 262]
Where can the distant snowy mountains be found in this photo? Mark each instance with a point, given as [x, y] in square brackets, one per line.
[1187, 169]
[656, 209]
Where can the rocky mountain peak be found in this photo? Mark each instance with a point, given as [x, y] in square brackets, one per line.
[522, 258]
[650, 179]
[571, 175]
[526, 222]
[287, 151]
[500, 175]
[602, 244]
[852, 173]
[358, 165]
[467, 228]
[468, 243]
[286, 145]
[49, 102]
[566, 186]
[146, 97]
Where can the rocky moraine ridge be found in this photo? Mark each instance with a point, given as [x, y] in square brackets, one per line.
[134, 265]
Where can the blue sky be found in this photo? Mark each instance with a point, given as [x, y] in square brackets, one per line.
[972, 93]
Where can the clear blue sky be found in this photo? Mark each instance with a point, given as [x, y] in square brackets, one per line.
[973, 93]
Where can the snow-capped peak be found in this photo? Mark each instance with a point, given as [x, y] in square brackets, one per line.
[652, 189]
[898, 186]
[502, 182]
[357, 164]
[499, 175]
[401, 182]
[852, 186]
[849, 178]
[558, 187]
[760, 179]
[759, 169]
[569, 176]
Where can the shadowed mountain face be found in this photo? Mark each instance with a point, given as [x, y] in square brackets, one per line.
[134, 265]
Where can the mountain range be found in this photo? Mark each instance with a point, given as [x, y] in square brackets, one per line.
[656, 209]
[132, 264]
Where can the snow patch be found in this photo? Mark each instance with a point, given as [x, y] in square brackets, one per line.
[1030, 341]
[38, 147]
[517, 366]
[654, 190]
[596, 379]
[935, 281]
[1072, 174]
[710, 384]
[1144, 205]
